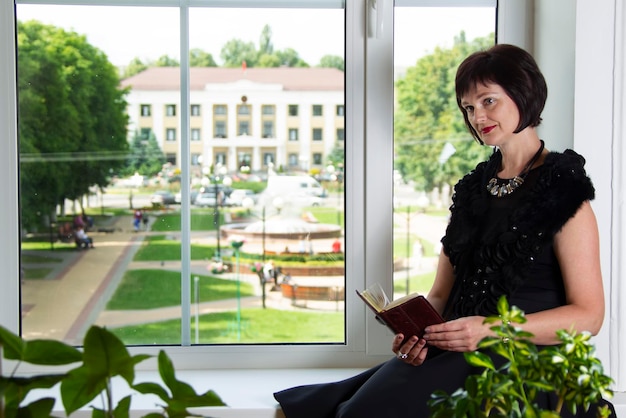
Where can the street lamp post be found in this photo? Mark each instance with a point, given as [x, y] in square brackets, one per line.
[237, 244]
[248, 203]
[219, 173]
[335, 175]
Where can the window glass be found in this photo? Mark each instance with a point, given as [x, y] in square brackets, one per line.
[112, 161]
[432, 146]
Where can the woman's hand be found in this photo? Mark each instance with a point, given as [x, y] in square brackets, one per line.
[461, 334]
[413, 351]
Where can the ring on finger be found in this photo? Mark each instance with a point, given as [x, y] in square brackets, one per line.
[402, 356]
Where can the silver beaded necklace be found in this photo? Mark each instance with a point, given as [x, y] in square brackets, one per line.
[499, 190]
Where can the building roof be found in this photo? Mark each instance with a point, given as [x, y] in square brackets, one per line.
[295, 79]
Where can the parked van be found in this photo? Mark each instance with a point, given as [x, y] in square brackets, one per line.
[279, 185]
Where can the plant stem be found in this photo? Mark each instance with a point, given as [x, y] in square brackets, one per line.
[109, 393]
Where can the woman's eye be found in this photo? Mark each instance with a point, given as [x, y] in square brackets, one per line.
[469, 109]
[489, 101]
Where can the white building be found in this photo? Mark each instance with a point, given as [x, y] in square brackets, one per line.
[290, 117]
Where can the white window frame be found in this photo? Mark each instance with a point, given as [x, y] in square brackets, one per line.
[598, 106]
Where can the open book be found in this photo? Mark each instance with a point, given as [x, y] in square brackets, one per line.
[408, 315]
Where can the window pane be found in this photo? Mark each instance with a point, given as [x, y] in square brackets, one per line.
[432, 147]
[92, 162]
[117, 153]
[286, 261]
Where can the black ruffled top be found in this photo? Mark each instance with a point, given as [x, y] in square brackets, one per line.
[503, 246]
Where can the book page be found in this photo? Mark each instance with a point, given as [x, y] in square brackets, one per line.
[376, 296]
[401, 300]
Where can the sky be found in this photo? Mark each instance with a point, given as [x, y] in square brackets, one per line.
[124, 33]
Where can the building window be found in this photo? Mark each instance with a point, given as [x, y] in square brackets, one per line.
[292, 160]
[268, 110]
[195, 110]
[220, 158]
[170, 110]
[293, 110]
[145, 133]
[340, 110]
[268, 158]
[317, 110]
[243, 110]
[171, 159]
[317, 158]
[146, 110]
[268, 129]
[317, 134]
[243, 128]
[220, 129]
[243, 160]
[195, 159]
[340, 134]
[293, 134]
[219, 110]
[170, 134]
[195, 134]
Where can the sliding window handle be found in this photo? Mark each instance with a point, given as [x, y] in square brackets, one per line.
[375, 10]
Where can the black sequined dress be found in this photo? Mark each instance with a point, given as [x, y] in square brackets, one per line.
[497, 246]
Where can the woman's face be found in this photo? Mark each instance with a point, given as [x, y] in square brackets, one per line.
[491, 112]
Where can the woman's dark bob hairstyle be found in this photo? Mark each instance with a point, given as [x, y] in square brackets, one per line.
[513, 69]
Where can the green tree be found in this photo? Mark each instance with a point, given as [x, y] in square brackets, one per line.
[236, 51]
[145, 156]
[265, 44]
[200, 58]
[290, 58]
[332, 61]
[268, 61]
[166, 61]
[135, 66]
[427, 117]
[73, 118]
[336, 156]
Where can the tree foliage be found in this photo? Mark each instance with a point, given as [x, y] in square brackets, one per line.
[73, 120]
[200, 58]
[332, 61]
[427, 117]
[145, 157]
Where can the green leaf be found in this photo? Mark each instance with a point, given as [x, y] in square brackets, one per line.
[106, 356]
[50, 352]
[152, 388]
[478, 359]
[37, 409]
[80, 387]
[122, 410]
[13, 346]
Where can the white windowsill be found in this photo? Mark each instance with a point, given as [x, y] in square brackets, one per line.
[249, 393]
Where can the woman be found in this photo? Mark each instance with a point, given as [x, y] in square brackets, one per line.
[521, 225]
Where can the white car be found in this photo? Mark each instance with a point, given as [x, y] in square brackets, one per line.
[208, 199]
[237, 197]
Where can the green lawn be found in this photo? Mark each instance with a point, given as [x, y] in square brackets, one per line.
[149, 289]
[256, 325]
[36, 273]
[159, 248]
[38, 259]
[420, 284]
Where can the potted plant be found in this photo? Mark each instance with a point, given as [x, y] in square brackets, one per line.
[103, 357]
[569, 370]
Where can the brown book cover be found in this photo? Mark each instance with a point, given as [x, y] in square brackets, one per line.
[408, 315]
